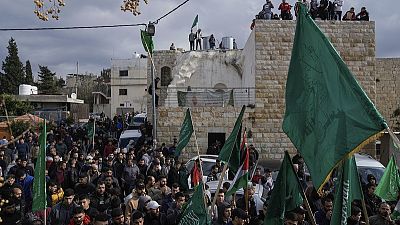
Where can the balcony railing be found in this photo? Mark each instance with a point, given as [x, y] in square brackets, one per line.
[206, 97]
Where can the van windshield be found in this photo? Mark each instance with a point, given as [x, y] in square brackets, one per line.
[376, 171]
[123, 142]
[138, 119]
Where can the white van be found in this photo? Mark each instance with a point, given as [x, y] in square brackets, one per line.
[128, 135]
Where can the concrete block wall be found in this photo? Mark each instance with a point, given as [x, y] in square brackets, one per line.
[355, 41]
[387, 88]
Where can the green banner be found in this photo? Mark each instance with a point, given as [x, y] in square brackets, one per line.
[328, 116]
[185, 133]
[39, 183]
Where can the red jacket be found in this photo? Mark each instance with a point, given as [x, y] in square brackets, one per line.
[86, 221]
[284, 7]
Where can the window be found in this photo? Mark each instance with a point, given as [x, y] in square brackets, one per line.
[123, 73]
[123, 91]
[122, 104]
[166, 77]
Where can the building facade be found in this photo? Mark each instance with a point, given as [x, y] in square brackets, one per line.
[262, 66]
[128, 85]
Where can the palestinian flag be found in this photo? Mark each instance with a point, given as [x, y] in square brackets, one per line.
[242, 176]
[196, 175]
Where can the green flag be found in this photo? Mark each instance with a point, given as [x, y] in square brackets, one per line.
[147, 41]
[39, 184]
[185, 134]
[196, 20]
[90, 129]
[328, 116]
[348, 189]
[195, 212]
[389, 185]
[286, 194]
[230, 153]
[242, 176]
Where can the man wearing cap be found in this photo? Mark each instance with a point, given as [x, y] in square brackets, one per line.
[117, 217]
[239, 217]
[154, 216]
[84, 187]
[134, 201]
[61, 213]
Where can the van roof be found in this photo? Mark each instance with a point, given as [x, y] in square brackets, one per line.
[131, 133]
[141, 115]
[364, 160]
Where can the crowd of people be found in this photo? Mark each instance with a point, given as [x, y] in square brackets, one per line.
[196, 38]
[101, 184]
[324, 10]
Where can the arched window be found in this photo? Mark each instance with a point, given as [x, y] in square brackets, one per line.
[166, 76]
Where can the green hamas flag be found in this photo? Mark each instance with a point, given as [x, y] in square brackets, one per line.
[230, 152]
[389, 185]
[328, 116]
[39, 184]
[147, 41]
[196, 20]
[195, 212]
[90, 129]
[286, 194]
[185, 134]
[348, 189]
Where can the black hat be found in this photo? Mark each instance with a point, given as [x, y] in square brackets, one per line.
[240, 213]
[101, 217]
[299, 210]
[116, 212]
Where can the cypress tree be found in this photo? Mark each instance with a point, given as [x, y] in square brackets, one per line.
[47, 84]
[14, 73]
[28, 73]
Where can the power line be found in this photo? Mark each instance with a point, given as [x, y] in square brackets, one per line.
[72, 28]
[93, 27]
[171, 11]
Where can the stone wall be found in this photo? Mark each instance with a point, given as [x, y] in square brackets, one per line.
[355, 41]
[274, 39]
[387, 88]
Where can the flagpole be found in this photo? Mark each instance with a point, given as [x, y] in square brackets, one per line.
[198, 156]
[94, 132]
[153, 96]
[364, 208]
[219, 185]
[306, 203]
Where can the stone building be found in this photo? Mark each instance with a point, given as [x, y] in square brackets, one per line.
[261, 68]
[128, 85]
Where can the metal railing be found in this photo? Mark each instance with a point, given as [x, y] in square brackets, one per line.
[205, 97]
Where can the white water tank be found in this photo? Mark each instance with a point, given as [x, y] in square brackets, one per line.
[206, 44]
[227, 42]
[26, 89]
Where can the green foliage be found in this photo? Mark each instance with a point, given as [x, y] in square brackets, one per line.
[14, 73]
[18, 127]
[47, 81]
[14, 107]
[28, 73]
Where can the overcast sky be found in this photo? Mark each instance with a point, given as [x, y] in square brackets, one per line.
[60, 50]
